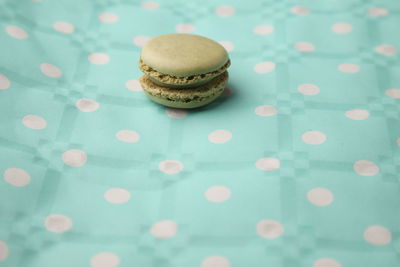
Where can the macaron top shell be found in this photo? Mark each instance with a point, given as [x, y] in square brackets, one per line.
[182, 54]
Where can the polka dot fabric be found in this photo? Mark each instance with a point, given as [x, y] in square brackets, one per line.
[296, 164]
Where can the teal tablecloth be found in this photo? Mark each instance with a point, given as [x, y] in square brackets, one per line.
[297, 165]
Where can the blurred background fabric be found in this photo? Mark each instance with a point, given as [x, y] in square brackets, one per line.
[297, 164]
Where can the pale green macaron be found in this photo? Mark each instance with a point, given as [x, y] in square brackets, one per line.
[183, 70]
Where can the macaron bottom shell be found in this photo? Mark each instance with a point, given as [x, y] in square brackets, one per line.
[184, 98]
[180, 104]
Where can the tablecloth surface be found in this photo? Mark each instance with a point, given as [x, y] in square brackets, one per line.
[297, 164]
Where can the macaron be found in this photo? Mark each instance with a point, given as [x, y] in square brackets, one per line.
[183, 70]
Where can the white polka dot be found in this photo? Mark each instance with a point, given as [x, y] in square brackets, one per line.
[63, 27]
[393, 93]
[219, 136]
[141, 40]
[16, 32]
[105, 259]
[308, 89]
[164, 229]
[117, 195]
[74, 157]
[227, 45]
[108, 17]
[269, 229]
[263, 29]
[342, 27]
[17, 177]
[4, 82]
[50, 70]
[357, 114]
[176, 113]
[386, 50]
[313, 138]
[264, 67]
[185, 28]
[99, 58]
[268, 164]
[326, 262]
[87, 105]
[57, 223]
[320, 196]
[304, 47]
[134, 85]
[227, 92]
[150, 5]
[170, 166]
[365, 168]
[225, 11]
[265, 111]
[349, 68]
[217, 193]
[34, 122]
[378, 11]
[377, 235]
[299, 10]
[215, 261]
[3, 250]
[128, 136]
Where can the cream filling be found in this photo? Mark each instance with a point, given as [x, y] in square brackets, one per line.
[169, 80]
[182, 86]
